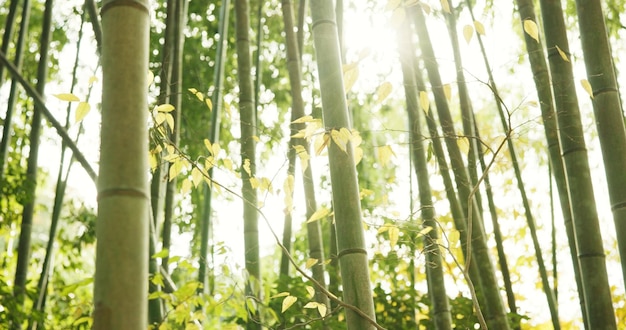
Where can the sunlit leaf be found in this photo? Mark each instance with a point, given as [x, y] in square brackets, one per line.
[424, 101]
[425, 231]
[165, 108]
[170, 120]
[69, 97]
[445, 6]
[384, 154]
[531, 29]
[310, 290]
[311, 262]
[175, 168]
[322, 309]
[209, 146]
[197, 93]
[82, 110]
[383, 91]
[149, 78]
[464, 144]
[304, 119]
[161, 254]
[562, 53]
[288, 188]
[256, 138]
[425, 7]
[394, 233]
[280, 294]
[468, 32]
[186, 186]
[196, 176]
[365, 193]
[454, 238]
[254, 182]
[480, 28]
[303, 155]
[341, 138]
[357, 155]
[587, 87]
[246, 166]
[323, 142]
[288, 302]
[350, 76]
[92, 80]
[320, 213]
[209, 104]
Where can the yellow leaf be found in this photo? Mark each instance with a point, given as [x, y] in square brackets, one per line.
[365, 193]
[311, 262]
[228, 164]
[209, 162]
[196, 176]
[165, 108]
[341, 138]
[186, 187]
[531, 29]
[288, 302]
[149, 78]
[209, 146]
[281, 294]
[322, 144]
[425, 231]
[197, 93]
[394, 233]
[383, 228]
[209, 104]
[587, 86]
[562, 53]
[480, 28]
[82, 110]
[445, 6]
[357, 155]
[256, 138]
[383, 91]
[175, 168]
[463, 143]
[170, 120]
[447, 91]
[153, 162]
[425, 7]
[159, 118]
[288, 188]
[424, 102]
[310, 290]
[321, 308]
[384, 155]
[69, 97]
[411, 3]
[92, 80]
[254, 182]
[320, 213]
[468, 32]
[246, 166]
[303, 155]
[398, 16]
[350, 75]
[304, 119]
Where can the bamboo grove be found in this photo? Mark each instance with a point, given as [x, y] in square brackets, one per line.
[289, 164]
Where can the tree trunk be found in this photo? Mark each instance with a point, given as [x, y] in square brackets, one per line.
[440, 310]
[352, 255]
[120, 288]
[609, 115]
[248, 163]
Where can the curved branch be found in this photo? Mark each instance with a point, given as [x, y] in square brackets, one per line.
[42, 106]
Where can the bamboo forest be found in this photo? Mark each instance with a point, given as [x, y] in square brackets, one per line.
[320, 164]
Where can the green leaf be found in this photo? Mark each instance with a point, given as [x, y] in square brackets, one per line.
[161, 254]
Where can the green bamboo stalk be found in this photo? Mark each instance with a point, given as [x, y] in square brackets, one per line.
[352, 255]
[122, 227]
[248, 131]
[8, 34]
[440, 309]
[30, 184]
[609, 115]
[496, 315]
